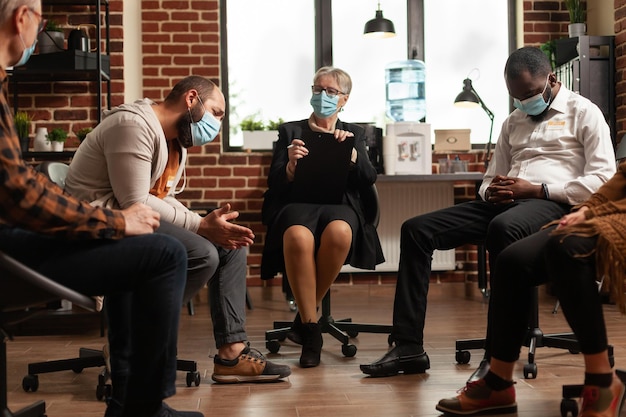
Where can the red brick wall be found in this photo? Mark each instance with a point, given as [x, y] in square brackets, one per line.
[73, 105]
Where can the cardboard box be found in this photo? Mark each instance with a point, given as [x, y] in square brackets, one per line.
[452, 140]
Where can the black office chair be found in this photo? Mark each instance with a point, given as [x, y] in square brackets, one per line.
[342, 329]
[24, 293]
[87, 358]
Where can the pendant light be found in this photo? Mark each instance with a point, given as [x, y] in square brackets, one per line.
[379, 27]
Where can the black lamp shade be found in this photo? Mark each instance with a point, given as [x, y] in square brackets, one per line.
[379, 27]
[467, 97]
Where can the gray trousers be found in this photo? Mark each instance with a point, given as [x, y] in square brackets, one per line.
[225, 272]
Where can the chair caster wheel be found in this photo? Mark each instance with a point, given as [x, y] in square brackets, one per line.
[352, 333]
[193, 378]
[30, 383]
[463, 357]
[273, 346]
[530, 371]
[569, 407]
[348, 350]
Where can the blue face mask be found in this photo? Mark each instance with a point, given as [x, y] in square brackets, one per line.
[324, 106]
[534, 105]
[26, 53]
[204, 130]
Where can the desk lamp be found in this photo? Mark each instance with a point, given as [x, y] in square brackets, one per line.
[379, 27]
[469, 98]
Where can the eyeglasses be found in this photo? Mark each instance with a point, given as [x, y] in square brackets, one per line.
[42, 21]
[330, 92]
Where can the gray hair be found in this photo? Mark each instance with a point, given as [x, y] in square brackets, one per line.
[7, 7]
[342, 78]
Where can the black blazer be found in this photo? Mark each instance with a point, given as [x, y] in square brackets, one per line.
[366, 252]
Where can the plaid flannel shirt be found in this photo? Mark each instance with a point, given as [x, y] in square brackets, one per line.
[29, 200]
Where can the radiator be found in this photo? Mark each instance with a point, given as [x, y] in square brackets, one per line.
[400, 200]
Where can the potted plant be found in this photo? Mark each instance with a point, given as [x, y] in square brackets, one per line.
[258, 135]
[57, 138]
[577, 12]
[81, 134]
[22, 126]
[51, 38]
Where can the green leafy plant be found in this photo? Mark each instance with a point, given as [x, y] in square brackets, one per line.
[273, 124]
[52, 26]
[576, 10]
[549, 48]
[81, 134]
[254, 122]
[57, 135]
[22, 124]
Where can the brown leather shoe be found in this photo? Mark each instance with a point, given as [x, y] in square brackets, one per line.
[478, 398]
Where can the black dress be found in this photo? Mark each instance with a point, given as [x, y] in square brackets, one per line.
[279, 212]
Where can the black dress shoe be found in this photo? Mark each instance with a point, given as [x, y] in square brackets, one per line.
[481, 371]
[396, 361]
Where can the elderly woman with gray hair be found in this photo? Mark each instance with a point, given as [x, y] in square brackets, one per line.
[310, 241]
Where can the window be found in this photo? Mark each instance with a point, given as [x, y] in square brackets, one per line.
[365, 58]
[270, 61]
[270, 53]
[461, 44]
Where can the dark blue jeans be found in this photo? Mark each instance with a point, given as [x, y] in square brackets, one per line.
[569, 263]
[225, 272]
[150, 270]
[497, 226]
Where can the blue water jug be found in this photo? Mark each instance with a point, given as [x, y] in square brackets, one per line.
[406, 90]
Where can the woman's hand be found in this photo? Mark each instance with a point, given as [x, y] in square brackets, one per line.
[341, 135]
[573, 218]
[295, 151]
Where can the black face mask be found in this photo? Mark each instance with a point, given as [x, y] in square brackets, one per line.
[183, 126]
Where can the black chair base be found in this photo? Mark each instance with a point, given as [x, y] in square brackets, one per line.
[534, 339]
[342, 330]
[36, 409]
[92, 358]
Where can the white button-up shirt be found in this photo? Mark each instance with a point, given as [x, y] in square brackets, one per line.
[570, 150]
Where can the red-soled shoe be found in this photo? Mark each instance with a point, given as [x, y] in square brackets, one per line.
[603, 402]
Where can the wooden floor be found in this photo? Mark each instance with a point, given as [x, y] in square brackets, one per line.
[337, 387]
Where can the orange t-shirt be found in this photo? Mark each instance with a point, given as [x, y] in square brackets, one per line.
[163, 184]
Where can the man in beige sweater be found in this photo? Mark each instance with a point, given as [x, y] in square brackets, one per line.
[138, 154]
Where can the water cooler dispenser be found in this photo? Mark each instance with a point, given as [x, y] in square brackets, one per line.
[407, 145]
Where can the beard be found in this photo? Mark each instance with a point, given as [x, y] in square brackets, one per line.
[183, 126]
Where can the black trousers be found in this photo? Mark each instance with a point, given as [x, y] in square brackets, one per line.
[566, 262]
[497, 226]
